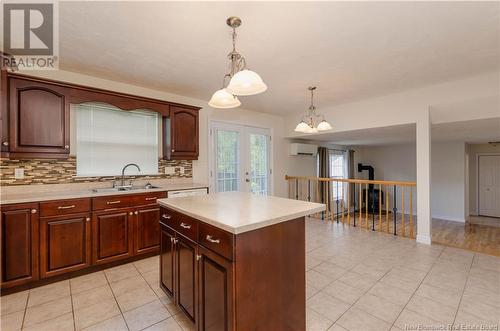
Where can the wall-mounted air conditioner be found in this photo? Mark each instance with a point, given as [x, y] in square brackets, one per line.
[303, 149]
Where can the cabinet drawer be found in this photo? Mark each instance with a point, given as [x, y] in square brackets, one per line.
[112, 202]
[186, 226]
[167, 217]
[217, 240]
[63, 207]
[148, 198]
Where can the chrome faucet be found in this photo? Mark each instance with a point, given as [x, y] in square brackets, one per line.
[123, 172]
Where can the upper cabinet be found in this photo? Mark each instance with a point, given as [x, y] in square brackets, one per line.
[38, 120]
[181, 134]
[35, 117]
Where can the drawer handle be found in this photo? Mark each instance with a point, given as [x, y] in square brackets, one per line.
[112, 202]
[212, 240]
[66, 207]
[185, 226]
[152, 198]
[165, 216]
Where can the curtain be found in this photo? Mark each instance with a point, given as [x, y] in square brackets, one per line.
[323, 170]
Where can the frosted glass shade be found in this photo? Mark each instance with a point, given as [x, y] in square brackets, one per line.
[302, 127]
[224, 99]
[324, 125]
[246, 82]
[312, 130]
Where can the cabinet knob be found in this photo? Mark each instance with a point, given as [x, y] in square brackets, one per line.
[33, 211]
[173, 150]
[198, 257]
[66, 146]
[136, 212]
[131, 213]
[87, 219]
[5, 143]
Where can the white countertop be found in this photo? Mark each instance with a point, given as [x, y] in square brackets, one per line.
[239, 212]
[9, 198]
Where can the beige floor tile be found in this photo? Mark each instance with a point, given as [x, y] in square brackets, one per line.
[93, 314]
[64, 322]
[391, 293]
[448, 297]
[149, 264]
[336, 327]
[87, 282]
[482, 295]
[477, 307]
[121, 272]
[13, 302]
[47, 311]
[12, 322]
[135, 298]
[445, 281]
[344, 292]
[128, 284]
[487, 284]
[378, 307]
[317, 280]
[316, 321]
[432, 309]
[145, 316]
[410, 320]
[92, 296]
[170, 305]
[357, 320]
[312, 262]
[184, 322]
[152, 277]
[116, 323]
[466, 320]
[327, 306]
[331, 270]
[167, 325]
[310, 291]
[362, 282]
[405, 284]
[48, 293]
[370, 270]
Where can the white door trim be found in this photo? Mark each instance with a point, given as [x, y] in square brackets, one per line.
[230, 125]
[478, 211]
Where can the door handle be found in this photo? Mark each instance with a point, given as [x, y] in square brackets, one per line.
[185, 226]
[66, 207]
[247, 180]
[212, 240]
[165, 216]
[112, 202]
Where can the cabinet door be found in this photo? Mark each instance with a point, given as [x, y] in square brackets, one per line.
[4, 115]
[215, 277]
[19, 248]
[39, 119]
[167, 258]
[147, 230]
[186, 273]
[183, 134]
[64, 244]
[112, 234]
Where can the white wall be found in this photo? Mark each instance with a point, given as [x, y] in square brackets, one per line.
[473, 151]
[281, 159]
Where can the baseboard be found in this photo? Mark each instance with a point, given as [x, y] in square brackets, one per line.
[422, 239]
[447, 218]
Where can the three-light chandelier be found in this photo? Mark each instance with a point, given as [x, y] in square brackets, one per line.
[239, 80]
[311, 122]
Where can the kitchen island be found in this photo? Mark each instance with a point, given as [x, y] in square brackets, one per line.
[236, 261]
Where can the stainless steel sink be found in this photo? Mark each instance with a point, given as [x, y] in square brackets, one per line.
[124, 188]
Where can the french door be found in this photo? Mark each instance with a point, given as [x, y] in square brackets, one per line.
[241, 158]
[489, 185]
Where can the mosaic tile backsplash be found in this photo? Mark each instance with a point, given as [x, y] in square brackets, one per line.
[53, 171]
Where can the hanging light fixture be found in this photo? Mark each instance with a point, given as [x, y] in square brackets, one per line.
[310, 123]
[240, 80]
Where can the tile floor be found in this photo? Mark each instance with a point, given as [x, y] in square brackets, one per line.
[356, 280]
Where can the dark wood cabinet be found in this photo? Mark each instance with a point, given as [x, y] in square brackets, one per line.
[167, 259]
[38, 120]
[186, 275]
[215, 291]
[181, 134]
[147, 230]
[19, 248]
[4, 114]
[65, 244]
[112, 233]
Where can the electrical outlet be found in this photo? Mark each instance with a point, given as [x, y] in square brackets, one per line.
[18, 173]
[169, 170]
[181, 170]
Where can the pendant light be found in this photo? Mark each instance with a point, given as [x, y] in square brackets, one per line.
[242, 81]
[310, 123]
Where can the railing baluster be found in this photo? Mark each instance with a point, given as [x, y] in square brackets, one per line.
[411, 212]
[373, 206]
[360, 205]
[337, 200]
[395, 209]
[403, 211]
[342, 202]
[366, 206]
[349, 203]
[309, 190]
[354, 204]
[387, 207]
[297, 189]
[380, 197]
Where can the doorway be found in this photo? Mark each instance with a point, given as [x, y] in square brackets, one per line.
[489, 185]
[240, 158]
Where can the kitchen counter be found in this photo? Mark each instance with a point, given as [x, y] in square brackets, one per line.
[11, 198]
[238, 212]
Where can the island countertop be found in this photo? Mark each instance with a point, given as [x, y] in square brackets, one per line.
[238, 212]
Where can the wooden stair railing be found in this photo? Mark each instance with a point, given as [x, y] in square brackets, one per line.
[367, 205]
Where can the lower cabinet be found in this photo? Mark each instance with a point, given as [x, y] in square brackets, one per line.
[64, 244]
[19, 249]
[147, 229]
[185, 269]
[167, 257]
[112, 235]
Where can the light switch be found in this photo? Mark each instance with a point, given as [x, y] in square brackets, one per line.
[169, 170]
[18, 173]
[181, 169]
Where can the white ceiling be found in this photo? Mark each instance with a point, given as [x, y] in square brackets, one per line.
[474, 132]
[350, 50]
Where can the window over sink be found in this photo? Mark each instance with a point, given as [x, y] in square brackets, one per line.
[108, 138]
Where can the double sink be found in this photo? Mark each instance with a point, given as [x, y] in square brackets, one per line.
[124, 188]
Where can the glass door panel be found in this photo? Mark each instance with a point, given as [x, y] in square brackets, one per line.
[227, 163]
[259, 163]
